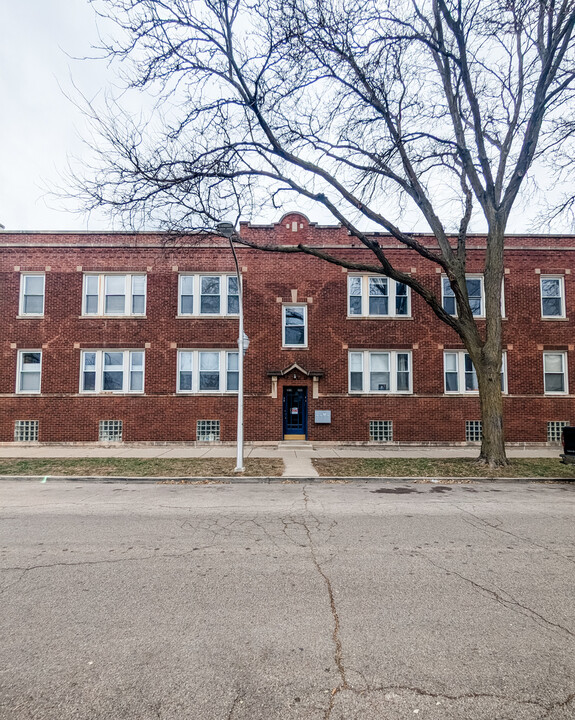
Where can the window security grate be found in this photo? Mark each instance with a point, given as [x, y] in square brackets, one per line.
[381, 430]
[473, 431]
[554, 428]
[110, 430]
[26, 431]
[208, 431]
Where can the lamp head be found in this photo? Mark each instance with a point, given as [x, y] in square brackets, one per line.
[227, 229]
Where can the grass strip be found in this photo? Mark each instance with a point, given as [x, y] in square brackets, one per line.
[432, 467]
[140, 467]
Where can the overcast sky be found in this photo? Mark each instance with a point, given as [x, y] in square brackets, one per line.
[41, 128]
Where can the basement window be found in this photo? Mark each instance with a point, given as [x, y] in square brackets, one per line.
[208, 431]
[554, 430]
[381, 430]
[110, 430]
[26, 431]
[473, 431]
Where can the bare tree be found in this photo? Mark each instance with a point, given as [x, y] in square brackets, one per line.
[443, 105]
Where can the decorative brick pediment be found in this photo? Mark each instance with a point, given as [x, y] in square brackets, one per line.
[294, 367]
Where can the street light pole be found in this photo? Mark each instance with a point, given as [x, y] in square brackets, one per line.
[228, 230]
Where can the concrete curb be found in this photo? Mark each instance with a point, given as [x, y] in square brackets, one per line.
[273, 480]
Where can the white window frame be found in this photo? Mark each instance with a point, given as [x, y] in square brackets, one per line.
[469, 276]
[99, 371]
[561, 279]
[366, 372]
[563, 355]
[222, 370]
[20, 370]
[460, 355]
[21, 307]
[128, 294]
[305, 325]
[391, 298]
[196, 294]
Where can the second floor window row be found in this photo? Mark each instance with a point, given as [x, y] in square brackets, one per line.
[124, 295]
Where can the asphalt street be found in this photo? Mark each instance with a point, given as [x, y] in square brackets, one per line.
[357, 601]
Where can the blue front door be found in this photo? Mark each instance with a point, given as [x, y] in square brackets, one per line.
[295, 413]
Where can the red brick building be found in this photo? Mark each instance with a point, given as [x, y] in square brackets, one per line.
[112, 335]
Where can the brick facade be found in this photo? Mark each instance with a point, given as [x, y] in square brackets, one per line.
[270, 281]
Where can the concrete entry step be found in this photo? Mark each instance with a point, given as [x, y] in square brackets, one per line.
[295, 444]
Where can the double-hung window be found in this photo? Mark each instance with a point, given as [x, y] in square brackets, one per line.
[377, 296]
[206, 371]
[380, 371]
[460, 375]
[29, 373]
[32, 294]
[208, 295]
[555, 373]
[475, 293]
[294, 326]
[119, 371]
[114, 294]
[552, 297]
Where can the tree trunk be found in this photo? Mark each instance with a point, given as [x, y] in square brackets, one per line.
[491, 401]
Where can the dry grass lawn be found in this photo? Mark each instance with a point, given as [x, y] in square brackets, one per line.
[456, 467]
[139, 467]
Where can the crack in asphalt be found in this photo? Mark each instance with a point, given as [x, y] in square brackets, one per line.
[511, 604]
[498, 528]
[338, 648]
[238, 699]
[111, 561]
[558, 705]
[5, 588]
[454, 698]
[228, 526]
[421, 692]
[297, 526]
[344, 684]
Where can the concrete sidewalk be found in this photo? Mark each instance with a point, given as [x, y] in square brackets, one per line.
[296, 456]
